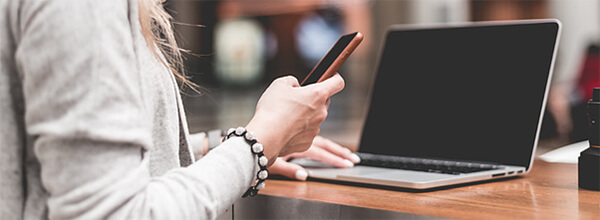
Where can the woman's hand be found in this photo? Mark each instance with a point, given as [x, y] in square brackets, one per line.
[323, 150]
[288, 116]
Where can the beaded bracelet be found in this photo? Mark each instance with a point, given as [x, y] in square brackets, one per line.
[257, 149]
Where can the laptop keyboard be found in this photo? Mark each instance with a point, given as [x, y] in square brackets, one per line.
[422, 164]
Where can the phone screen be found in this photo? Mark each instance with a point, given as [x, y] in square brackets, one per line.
[335, 51]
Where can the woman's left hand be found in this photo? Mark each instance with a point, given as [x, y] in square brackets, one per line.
[323, 150]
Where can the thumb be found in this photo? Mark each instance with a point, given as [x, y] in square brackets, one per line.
[332, 85]
[289, 170]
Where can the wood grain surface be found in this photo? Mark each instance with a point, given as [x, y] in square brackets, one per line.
[549, 191]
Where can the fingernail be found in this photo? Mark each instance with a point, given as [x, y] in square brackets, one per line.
[301, 175]
[348, 163]
[355, 158]
[347, 150]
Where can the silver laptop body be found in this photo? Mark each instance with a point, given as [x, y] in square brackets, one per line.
[473, 93]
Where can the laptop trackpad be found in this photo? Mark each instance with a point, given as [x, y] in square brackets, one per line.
[381, 176]
[395, 175]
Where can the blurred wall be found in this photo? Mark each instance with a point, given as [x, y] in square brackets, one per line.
[580, 18]
[581, 27]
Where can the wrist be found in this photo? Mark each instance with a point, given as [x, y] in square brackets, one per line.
[212, 139]
[205, 146]
[272, 143]
[257, 149]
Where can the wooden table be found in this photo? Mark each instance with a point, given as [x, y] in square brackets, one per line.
[549, 191]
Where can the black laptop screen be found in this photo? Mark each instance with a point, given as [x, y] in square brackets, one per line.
[467, 93]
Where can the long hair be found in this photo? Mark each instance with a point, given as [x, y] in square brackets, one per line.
[158, 32]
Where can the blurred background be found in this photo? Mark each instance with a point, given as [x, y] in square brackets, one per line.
[244, 44]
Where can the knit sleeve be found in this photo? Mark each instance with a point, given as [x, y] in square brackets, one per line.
[85, 111]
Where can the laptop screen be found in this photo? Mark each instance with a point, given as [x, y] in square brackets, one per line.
[471, 93]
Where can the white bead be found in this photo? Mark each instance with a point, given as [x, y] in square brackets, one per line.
[230, 131]
[239, 131]
[263, 174]
[257, 148]
[260, 186]
[250, 136]
[263, 161]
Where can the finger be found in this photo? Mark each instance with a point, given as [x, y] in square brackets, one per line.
[332, 85]
[336, 149]
[289, 170]
[320, 154]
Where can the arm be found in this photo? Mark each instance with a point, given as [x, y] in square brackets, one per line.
[89, 124]
[86, 114]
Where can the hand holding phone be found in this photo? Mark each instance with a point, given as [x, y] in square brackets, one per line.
[336, 56]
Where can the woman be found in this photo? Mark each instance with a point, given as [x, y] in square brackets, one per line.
[92, 127]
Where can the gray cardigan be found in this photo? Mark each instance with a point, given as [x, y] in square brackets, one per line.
[91, 123]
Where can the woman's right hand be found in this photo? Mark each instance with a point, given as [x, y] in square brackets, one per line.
[288, 116]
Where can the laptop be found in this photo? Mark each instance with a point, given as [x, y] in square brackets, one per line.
[453, 104]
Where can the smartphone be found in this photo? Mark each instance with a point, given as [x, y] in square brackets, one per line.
[336, 56]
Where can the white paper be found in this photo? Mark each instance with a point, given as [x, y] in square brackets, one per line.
[566, 154]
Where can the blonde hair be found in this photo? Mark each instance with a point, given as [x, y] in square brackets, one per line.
[158, 32]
